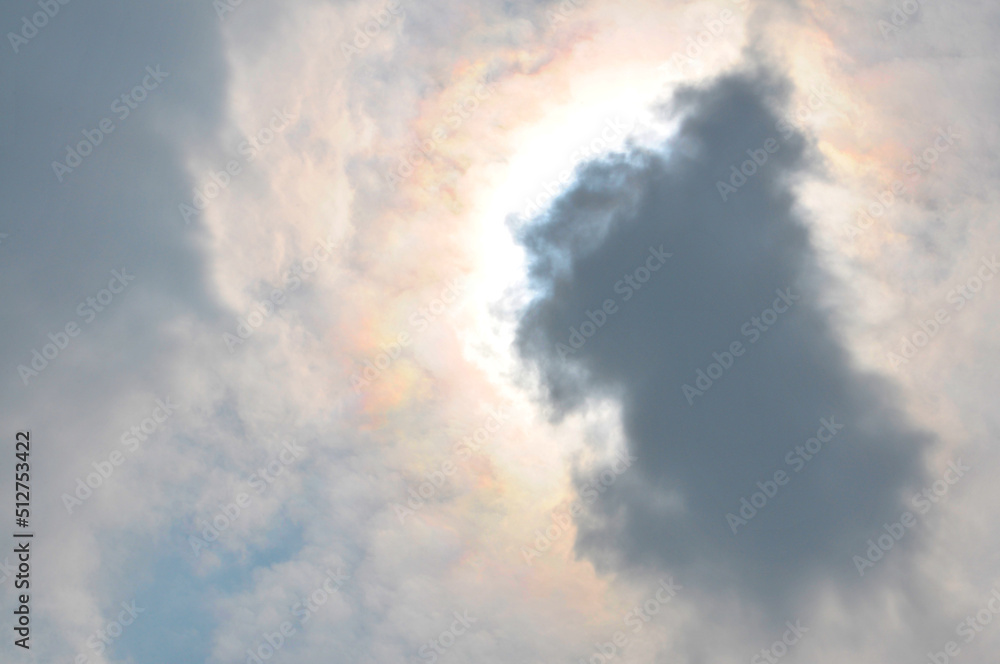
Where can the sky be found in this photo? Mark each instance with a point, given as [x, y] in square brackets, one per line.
[551, 332]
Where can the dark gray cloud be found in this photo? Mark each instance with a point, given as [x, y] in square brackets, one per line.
[699, 454]
[113, 208]
[115, 205]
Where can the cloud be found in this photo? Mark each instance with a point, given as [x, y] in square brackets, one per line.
[737, 314]
[121, 99]
[557, 70]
